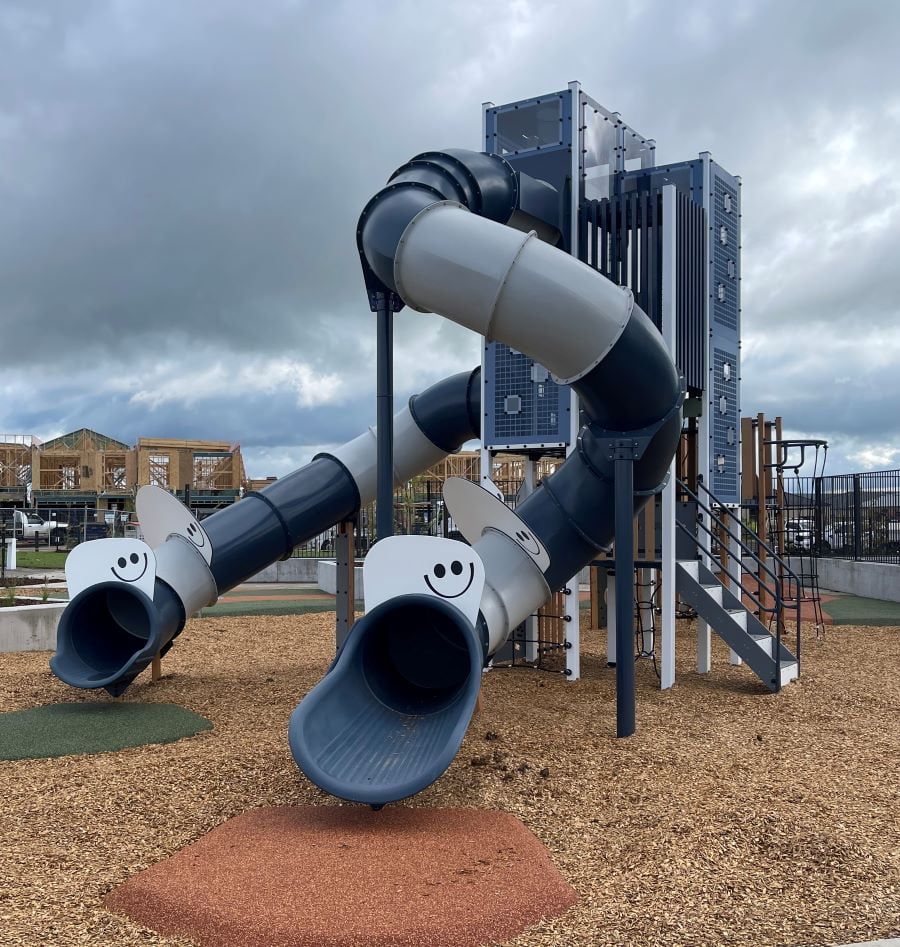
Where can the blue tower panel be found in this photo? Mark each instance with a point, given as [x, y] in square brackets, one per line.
[725, 425]
[724, 204]
[524, 408]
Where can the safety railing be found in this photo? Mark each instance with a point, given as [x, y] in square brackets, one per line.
[776, 569]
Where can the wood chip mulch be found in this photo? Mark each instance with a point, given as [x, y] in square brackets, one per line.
[329, 876]
[733, 816]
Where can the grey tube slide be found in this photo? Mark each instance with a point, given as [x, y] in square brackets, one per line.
[109, 633]
[462, 235]
[389, 717]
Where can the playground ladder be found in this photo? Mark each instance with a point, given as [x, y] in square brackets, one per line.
[700, 581]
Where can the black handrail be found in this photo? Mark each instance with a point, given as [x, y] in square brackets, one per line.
[735, 579]
[759, 540]
[784, 568]
[777, 591]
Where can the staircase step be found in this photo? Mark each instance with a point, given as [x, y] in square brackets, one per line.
[766, 642]
[714, 592]
[788, 672]
[739, 615]
[691, 566]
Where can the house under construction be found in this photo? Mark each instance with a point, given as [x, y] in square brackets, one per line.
[86, 468]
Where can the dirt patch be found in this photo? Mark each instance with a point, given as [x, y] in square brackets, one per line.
[16, 581]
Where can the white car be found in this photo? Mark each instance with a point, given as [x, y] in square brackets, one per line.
[29, 523]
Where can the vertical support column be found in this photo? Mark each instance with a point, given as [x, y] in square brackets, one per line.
[705, 433]
[384, 509]
[704, 647]
[669, 316]
[531, 623]
[611, 619]
[735, 561]
[624, 493]
[573, 597]
[345, 597]
[598, 583]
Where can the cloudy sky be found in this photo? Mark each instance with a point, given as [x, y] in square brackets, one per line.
[180, 183]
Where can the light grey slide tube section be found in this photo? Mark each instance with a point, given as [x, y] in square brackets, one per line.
[501, 284]
[414, 453]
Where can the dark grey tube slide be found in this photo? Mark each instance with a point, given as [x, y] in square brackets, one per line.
[109, 633]
[444, 236]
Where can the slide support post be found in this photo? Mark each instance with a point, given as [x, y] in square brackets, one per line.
[384, 503]
[623, 454]
[345, 600]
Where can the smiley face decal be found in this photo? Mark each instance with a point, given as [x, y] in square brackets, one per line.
[161, 515]
[527, 541]
[128, 561]
[439, 573]
[424, 565]
[195, 534]
[129, 565]
[475, 510]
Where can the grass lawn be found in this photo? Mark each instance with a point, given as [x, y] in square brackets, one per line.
[40, 560]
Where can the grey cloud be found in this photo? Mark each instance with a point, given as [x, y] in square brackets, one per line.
[181, 183]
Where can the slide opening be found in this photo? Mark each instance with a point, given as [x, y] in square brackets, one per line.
[101, 631]
[416, 656]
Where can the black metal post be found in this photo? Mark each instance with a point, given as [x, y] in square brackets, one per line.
[345, 599]
[384, 508]
[624, 495]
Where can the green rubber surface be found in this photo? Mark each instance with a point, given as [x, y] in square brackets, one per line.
[852, 610]
[267, 608]
[73, 728]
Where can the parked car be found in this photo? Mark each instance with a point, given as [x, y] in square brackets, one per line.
[29, 523]
[798, 535]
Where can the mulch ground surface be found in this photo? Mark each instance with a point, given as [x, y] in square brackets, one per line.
[316, 876]
[733, 816]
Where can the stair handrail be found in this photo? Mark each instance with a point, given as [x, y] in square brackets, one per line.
[778, 580]
[734, 578]
[784, 568]
[760, 541]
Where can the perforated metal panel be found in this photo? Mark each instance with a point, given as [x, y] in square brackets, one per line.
[724, 201]
[726, 235]
[524, 407]
[725, 424]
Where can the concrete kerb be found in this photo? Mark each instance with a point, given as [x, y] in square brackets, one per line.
[30, 627]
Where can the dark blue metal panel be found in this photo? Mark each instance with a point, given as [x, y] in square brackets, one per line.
[724, 200]
[523, 406]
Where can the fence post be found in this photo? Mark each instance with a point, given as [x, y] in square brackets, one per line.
[818, 521]
[857, 518]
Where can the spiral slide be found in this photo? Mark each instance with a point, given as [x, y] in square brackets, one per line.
[454, 233]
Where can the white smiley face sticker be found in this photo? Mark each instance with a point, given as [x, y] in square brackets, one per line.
[131, 567]
[128, 561]
[435, 580]
[475, 510]
[424, 565]
[161, 515]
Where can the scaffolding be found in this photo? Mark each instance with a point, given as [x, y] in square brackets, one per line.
[15, 464]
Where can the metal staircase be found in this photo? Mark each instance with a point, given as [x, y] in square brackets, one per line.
[736, 583]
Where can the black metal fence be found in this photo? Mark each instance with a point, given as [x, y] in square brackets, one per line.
[845, 516]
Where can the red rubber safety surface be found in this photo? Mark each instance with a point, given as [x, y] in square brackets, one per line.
[311, 876]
